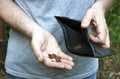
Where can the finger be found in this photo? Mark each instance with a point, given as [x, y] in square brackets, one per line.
[60, 65]
[64, 56]
[67, 62]
[37, 51]
[87, 19]
[94, 38]
[97, 37]
[100, 33]
[107, 44]
[94, 23]
[101, 29]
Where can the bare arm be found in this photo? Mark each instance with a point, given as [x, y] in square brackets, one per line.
[41, 40]
[13, 15]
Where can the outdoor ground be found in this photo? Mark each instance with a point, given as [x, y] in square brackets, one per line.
[2, 74]
[110, 66]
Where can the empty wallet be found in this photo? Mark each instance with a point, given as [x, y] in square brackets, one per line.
[77, 41]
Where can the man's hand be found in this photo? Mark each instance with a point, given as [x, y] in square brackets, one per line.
[43, 44]
[100, 35]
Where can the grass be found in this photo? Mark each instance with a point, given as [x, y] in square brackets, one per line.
[2, 74]
[110, 66]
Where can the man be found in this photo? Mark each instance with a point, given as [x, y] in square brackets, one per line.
[35, 34]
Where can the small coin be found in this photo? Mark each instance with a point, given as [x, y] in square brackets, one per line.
[53, 56]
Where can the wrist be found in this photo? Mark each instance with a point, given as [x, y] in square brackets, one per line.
[30, 28]
[104, 5]
[36, 30]
[99, 6]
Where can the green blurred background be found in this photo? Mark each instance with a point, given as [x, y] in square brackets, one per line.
[109, 67]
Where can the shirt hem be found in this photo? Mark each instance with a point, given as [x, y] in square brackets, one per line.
[24, 75]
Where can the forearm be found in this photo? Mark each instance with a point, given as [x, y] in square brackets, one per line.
[103, 4]
[14, 16]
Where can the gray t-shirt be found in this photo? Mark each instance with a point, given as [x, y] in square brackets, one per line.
[20, 60]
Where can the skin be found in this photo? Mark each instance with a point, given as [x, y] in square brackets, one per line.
[96, 16]
[43, 42]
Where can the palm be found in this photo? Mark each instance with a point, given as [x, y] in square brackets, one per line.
[49, 45]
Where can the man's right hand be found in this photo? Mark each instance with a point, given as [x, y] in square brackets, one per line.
[44, 43]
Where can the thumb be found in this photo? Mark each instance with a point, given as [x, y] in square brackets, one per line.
[37, 50]
[87, 19]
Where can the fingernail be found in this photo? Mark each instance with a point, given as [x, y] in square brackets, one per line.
[85, 24]
[71, 59]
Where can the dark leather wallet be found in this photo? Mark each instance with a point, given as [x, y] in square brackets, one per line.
[77, 41]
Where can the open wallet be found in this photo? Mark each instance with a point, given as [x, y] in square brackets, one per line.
[77, 40]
